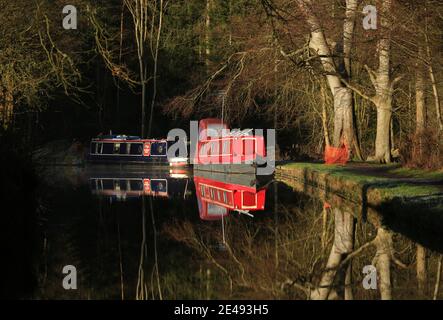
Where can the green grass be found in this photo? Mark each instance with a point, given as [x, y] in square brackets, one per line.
[417, 173]
[408, 191]
[385, 179]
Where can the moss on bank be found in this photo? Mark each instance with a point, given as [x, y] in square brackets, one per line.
[366, 182]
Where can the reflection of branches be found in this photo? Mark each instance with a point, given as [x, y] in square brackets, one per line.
[142, 290]
[185, 233]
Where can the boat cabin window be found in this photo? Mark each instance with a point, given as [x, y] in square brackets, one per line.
[120, 185]
[202, 190]
[108, 148]
[123, 148]
[136, 185]
[96, 147]
[108, 184]
[136, 148]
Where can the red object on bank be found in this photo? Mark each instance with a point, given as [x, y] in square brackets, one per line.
[334, 155]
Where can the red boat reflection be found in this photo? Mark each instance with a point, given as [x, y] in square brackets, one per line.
[219, 194]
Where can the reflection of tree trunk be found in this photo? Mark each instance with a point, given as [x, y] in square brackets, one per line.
[349, 295]
[155, 269]
[422, 274]
[382, 259]
[343, 245]
[122, 285]
[438, 278]
[142, 290]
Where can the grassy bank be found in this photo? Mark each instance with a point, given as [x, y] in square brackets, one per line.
[362, 182]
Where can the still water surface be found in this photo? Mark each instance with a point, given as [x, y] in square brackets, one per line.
[155, 235]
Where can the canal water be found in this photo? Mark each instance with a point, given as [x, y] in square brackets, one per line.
[152, 235]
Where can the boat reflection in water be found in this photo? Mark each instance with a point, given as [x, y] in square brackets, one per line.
[218, 194]
[124, 185]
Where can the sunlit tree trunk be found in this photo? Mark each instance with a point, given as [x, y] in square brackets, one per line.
[381, 79]
[420, 102]
[344, 130]
[324, 114]
[432, 77]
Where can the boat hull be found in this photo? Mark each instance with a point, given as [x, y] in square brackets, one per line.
[117, 159]
[232, 168]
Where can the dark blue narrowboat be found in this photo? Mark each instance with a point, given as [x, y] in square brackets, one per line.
[122, 149]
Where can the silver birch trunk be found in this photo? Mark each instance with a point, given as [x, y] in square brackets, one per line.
[383, 84]
[344, 131]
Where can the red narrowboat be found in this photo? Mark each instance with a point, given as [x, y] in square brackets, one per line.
[222, 149]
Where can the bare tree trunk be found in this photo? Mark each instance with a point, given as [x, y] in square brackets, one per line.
[420, 102]
[155, 56]
[324, 114]
[344, 129]
[120, 62]
[432, 77]
[208, 31]
[348, 33]
[139, 12]
[422, 273]
[383, 88]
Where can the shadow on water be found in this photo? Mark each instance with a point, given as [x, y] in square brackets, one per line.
[19, 237]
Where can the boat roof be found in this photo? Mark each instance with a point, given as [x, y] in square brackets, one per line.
[122, 137]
